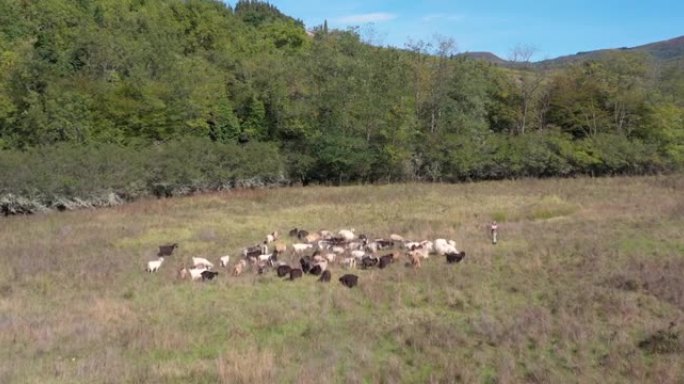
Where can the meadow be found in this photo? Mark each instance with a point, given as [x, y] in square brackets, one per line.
[585, 285]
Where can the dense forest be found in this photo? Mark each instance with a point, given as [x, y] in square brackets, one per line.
[136, 97]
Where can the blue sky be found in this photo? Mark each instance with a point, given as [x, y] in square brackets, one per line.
[552, 27]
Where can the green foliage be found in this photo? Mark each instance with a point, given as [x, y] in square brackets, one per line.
[135, 73]
[257, 12]
[175, 168]
[341, 159]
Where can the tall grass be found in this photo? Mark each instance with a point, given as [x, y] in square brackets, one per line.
[584, 286]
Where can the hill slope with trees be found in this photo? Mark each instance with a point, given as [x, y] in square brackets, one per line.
[83, 79]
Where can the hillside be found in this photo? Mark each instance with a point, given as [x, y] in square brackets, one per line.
[672, 49]
[485, 56]
[585, 285]
[82, 83]
[662, 51]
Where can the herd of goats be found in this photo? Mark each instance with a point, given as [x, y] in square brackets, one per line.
[316, 252]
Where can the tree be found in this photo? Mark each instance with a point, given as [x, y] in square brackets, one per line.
[529, 79]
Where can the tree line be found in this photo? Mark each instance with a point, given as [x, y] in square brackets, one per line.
[139, 74]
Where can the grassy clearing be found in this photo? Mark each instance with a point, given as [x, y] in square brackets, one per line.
[586, 271]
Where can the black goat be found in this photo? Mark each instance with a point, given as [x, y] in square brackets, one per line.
[295, 273]
[325, 277]
[252, 251]
[337, 240]
[209, 275]
[385, 261]
[368, 262]
[349, 280]
[455, 257]
[167, 250]
[298, 233]
[316, 270]
[283, 270]
[306, 263]
[383, 244]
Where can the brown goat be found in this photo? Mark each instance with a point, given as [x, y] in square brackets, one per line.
[414, 258]
[239, 268]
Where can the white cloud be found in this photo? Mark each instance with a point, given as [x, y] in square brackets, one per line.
[367, 18]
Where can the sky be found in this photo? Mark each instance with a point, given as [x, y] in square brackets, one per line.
[551, 27]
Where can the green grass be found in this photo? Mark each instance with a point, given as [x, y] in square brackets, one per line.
[585, 270]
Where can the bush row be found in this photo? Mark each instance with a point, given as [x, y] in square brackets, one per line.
[73, 176]
[549, 154]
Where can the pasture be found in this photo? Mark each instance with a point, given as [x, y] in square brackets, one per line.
[586, 284]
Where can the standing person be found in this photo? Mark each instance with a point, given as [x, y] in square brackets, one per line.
[494, 229]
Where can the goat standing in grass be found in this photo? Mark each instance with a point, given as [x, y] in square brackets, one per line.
[239, 267]
[202, 262]
[349, 262]
[193, 273]
[209, 275]
[347, 234]
[325, 277]
[299, 248]
[271, 237]
[225, 260]
[167, 250]
[153, 265]
[349, 280]
[414, 258]
[455, 257]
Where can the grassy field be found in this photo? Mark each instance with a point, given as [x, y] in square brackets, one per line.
[586, 285]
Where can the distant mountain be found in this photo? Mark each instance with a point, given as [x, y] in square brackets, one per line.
[667, 50]
[485, 56]
[663, 51]
[672, 49]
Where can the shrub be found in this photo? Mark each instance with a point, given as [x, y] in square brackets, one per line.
[71, 176]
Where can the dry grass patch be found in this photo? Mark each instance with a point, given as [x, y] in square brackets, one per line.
[582, 287]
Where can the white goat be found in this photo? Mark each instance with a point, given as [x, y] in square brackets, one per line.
[373, 246]
[301, 247]
[194, 273]
[202, 262]
[358, 254]
[323, 244]
[330, 257]
[427, 244]
[153, 265]
[312, 237]
[225, 260]
[443, 246]
[349, 262]
[397, 238]
[347, 234]
[271, 237]
[323, 264]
